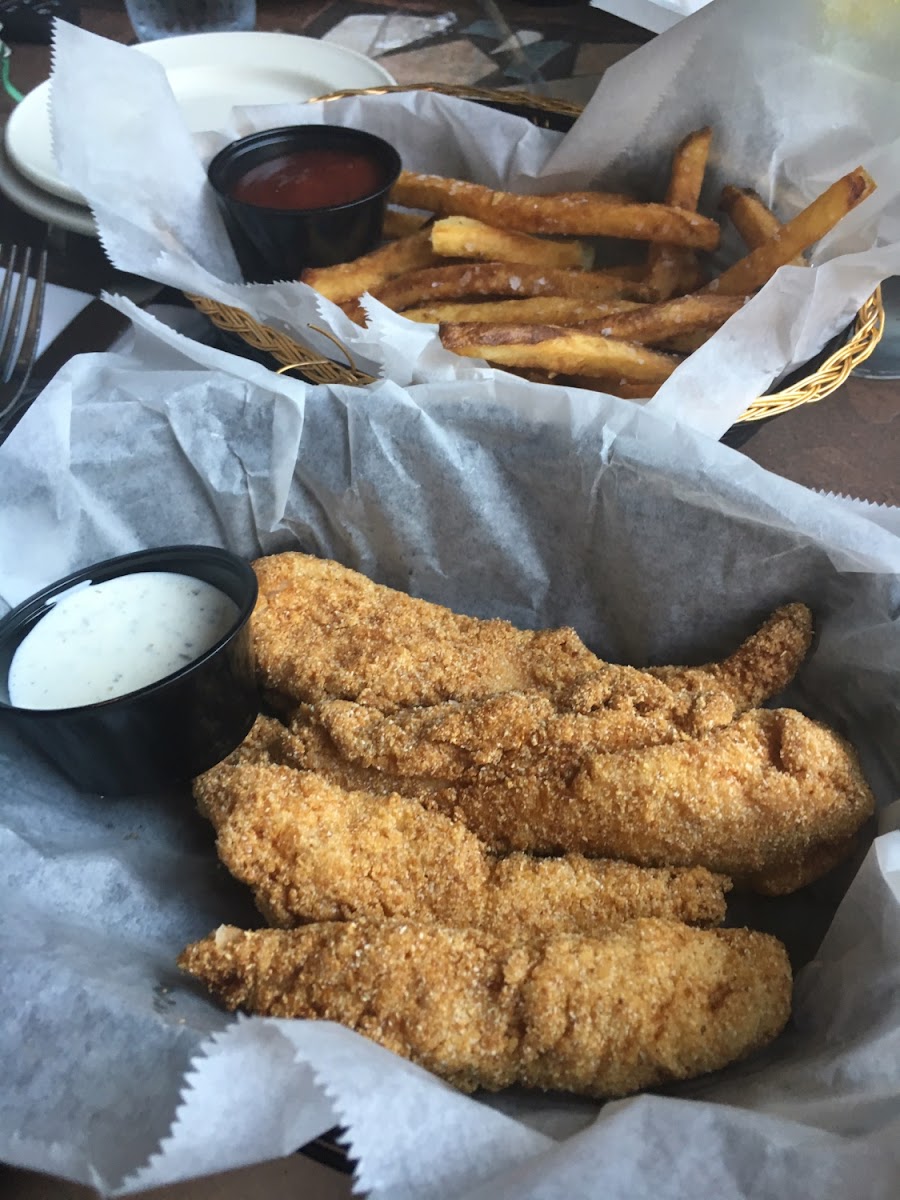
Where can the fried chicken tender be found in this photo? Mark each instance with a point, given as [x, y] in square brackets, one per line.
[614, 708]
[773, 799]
[644, 1004]
[804, 868]
[772, 788]
[322, 631]
[311, 851]
[761, 667]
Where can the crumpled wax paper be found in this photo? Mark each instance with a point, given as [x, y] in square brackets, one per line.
[526, 502]
[797, 95]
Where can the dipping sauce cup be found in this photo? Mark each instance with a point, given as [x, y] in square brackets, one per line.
[303, 196]
[135, 673]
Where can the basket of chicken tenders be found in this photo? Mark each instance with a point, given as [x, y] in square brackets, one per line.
[551, 854]
[700, 238]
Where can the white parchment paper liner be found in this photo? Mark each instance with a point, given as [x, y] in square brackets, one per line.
[536, 504]
[797, 95]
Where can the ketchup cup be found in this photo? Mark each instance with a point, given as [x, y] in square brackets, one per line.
[302, 196]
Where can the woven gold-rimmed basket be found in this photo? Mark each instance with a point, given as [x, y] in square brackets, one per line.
[825, 376]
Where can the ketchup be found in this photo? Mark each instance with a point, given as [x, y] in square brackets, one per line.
[316, 178]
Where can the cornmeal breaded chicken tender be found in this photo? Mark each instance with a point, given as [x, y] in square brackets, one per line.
[322, 631]
[760, 668]
[773, 799]
[645, 1004]
[312, 851]
[615, 708]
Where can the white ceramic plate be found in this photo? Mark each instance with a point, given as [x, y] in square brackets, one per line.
[44, 205]
[210, 73]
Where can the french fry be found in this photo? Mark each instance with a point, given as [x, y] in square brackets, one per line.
[530, 304]
[688, 170]
[674, 270]
[558, 349]
[619, 385]
[543, 310]
[401, 222]
[758, 267]
[579, 214]
[654, 323]
[447, 197]
[346, 281]
[533, 375]
[501, 279]
[613, 385]
[463, 237]
[751, 218]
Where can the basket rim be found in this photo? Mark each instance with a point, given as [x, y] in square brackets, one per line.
[863, 336]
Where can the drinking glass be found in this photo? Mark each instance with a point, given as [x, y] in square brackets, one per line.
[152, 19]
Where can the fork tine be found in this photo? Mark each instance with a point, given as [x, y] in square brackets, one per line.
[8, 269]
[14, 328]
[28, 349]
[15, 368]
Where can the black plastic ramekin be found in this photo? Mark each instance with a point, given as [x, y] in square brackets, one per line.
[168, 731]
[276, 243]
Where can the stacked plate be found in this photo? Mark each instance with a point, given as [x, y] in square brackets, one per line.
[210, 73]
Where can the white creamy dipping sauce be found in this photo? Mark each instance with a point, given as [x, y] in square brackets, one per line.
[107, 639]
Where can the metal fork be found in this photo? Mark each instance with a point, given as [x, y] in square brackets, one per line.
[20, 322]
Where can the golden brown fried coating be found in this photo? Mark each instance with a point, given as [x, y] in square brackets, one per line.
[806, 868]
[774, 798]
[761, 667]
[644, 1004]
[748, 799]
[312, 851]
[614, 708]
[323, 632]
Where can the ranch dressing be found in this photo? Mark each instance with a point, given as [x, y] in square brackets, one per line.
[107, 639]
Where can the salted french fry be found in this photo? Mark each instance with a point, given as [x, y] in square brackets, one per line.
[578, 214]
[654, 323]
[500, 279]
[674, 270]
[806, 228]
[613, 385]
[533, 375]
[446, 197]
[401, 222]
[751, 218]
[619, 385]
[688, 169]
[558, 349]
[464, 237]
[542, 310]
[346, 281]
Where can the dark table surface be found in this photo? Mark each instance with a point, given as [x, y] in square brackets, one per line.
[846, 443]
